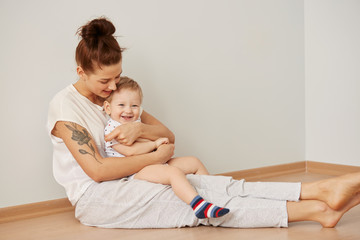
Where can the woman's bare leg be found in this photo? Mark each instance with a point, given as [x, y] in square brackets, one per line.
[318, 211]
[335, 192]
[189, 165]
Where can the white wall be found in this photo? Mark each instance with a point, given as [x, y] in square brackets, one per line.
[332, 60]
[226, 76]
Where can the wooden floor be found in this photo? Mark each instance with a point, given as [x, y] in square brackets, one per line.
[65, 226]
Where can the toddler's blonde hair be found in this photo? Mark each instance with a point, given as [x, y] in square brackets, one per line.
[126, 83]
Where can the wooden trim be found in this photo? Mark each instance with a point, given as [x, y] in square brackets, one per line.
[330, 168]
[33, 210]
[256, 174]
[39, 209]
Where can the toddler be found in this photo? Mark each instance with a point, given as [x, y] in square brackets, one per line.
[124, 106]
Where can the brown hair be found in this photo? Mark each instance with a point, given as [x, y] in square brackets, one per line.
[126, 83]
[97, 45]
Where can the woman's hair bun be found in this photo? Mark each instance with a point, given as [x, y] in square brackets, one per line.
[98, 45]
[97, 28]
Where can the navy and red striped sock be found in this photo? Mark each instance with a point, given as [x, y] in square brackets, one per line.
[203, 209]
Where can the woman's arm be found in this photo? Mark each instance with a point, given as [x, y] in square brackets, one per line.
[82, 146]
[153, 129]
[149, 128]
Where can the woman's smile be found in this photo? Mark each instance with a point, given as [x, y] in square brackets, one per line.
[107, 92]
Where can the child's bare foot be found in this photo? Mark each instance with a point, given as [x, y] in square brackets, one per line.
[161, 141]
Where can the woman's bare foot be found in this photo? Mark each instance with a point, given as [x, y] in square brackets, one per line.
[318, 211]
[334, 216]
[336, 192]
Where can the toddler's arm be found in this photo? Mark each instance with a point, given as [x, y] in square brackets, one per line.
[141, 146]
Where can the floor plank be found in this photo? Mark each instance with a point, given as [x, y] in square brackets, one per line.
[65, 226]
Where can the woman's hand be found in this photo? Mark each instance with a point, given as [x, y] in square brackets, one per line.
[125, 134]
[165, 152]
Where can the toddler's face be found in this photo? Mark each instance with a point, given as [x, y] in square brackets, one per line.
[125, 106]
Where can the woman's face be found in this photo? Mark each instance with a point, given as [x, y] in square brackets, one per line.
[102, 81]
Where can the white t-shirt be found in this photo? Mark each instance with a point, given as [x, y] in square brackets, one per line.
[70, 106]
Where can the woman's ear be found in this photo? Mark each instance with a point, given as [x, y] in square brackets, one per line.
[107, 107]
[80, 72]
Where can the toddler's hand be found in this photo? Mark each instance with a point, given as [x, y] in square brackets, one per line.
[161, 141]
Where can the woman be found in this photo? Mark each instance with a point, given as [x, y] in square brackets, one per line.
[104, 197]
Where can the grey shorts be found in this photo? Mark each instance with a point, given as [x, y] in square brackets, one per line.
[140, 204]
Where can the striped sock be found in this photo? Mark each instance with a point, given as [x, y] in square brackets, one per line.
[203, 209]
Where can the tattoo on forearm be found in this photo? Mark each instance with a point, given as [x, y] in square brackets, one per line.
[82, 137]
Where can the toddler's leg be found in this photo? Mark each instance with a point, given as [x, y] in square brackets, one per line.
[182, 188]
[189, 165]
[169, 175]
